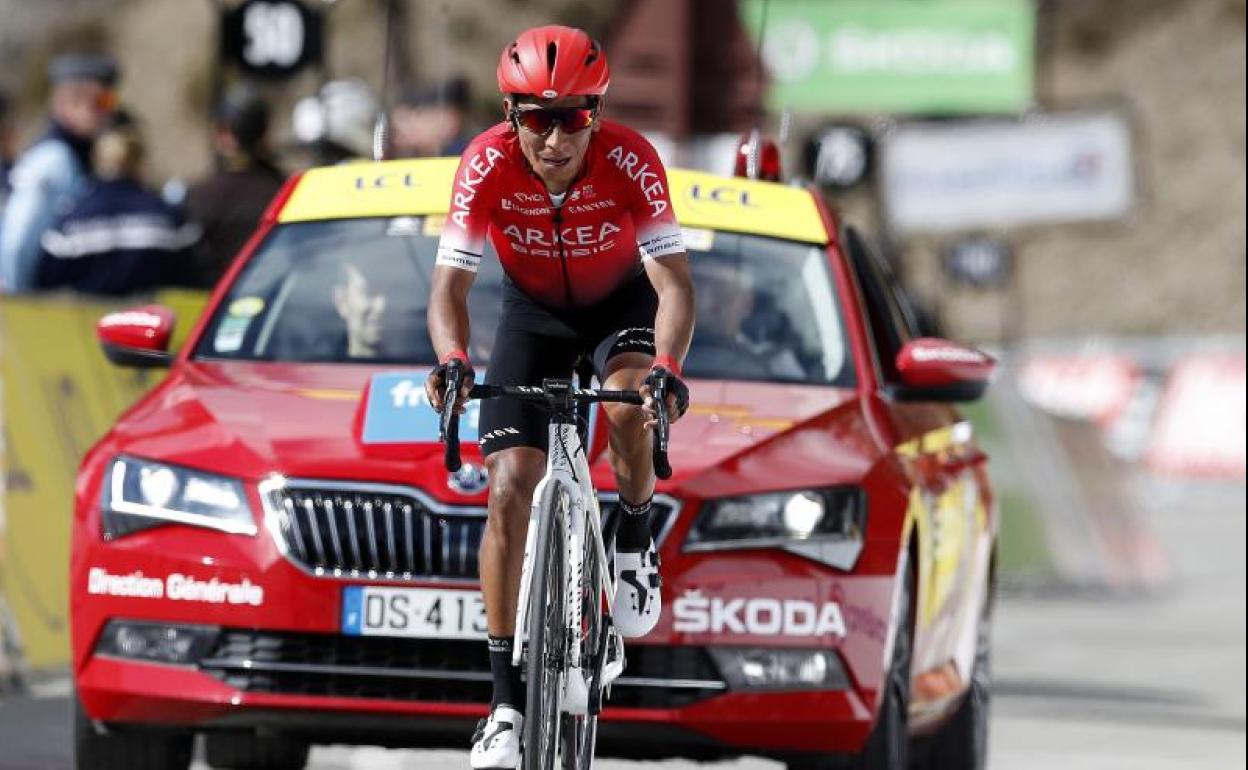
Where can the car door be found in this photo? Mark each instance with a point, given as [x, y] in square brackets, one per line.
[935, 446]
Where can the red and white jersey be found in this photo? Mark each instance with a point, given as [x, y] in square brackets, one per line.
[617, 213]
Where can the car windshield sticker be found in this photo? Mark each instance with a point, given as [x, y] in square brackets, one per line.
[403, 226]
[434, 225]
[697, 239]
[398, 411]
[230, 334]
[246, 307]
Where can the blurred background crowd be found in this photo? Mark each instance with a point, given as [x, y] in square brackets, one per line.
[1062, 181]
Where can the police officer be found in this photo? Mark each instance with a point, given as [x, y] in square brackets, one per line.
[54, 170]
[118, 237]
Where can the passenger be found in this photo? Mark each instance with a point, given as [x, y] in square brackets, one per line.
[432, 121]
[229, 202]
[361, 304]
[55, 169]
[118, 238]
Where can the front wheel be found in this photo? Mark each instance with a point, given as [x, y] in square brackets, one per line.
[888, 747]
[962, 743]
[128, 749]
[547, 653]
[580, 731]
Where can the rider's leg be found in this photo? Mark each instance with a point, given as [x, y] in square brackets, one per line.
[513, 473]
[638, 597]
[630, 442]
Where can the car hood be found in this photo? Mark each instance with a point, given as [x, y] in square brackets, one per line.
[254, 419]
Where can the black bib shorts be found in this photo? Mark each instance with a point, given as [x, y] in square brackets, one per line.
[534, 343]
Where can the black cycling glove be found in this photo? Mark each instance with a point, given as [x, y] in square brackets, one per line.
[675, 387]
[440, 371]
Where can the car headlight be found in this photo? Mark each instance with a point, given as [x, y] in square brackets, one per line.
[748, 668]
[825, 525]
[140, 494]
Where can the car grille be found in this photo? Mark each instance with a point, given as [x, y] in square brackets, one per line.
[431, 670]
[393, 533]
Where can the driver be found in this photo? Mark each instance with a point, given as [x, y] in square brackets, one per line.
[729, 301]
[578, 209]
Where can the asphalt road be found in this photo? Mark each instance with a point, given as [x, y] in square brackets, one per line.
[1083, 682]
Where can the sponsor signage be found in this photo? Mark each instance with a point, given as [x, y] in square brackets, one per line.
[1200, 423]
[397, 411]
[946, 177]
[839, 157]
[272, 38]
[695, 613]
[900, 56]
[982, 263]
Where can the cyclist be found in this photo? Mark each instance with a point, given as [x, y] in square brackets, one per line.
[578, 210]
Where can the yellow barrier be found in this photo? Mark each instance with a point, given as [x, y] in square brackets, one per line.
[60, 395]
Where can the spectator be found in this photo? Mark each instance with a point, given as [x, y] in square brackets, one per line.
[6, 150]
[337, 124]
[53, 171]
[228, 204]
[431, 121]
[118, 238]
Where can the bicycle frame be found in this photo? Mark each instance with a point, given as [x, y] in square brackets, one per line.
[568, 468]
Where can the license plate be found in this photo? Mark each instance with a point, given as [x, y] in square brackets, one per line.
[425, 613]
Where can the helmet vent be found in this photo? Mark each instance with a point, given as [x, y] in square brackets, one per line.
[593, 54]
[552, 51]
[515, 57]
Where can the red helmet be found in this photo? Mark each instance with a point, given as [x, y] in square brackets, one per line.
[553, 62]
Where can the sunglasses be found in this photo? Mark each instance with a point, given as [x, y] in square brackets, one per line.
[542, 121]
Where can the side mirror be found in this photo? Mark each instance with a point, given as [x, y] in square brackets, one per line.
[138, 337]
[933, 369]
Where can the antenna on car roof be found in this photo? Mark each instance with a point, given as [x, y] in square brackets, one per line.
[381, 129]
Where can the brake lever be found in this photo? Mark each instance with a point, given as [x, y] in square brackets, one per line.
[448, 428]
[662, 468]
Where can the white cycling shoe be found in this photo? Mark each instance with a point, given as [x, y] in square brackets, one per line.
[496, 743]
[638, 600]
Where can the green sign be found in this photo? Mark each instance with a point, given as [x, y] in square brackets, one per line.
[897, 56]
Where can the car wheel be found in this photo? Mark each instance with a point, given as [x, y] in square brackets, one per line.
[128, 749]
[962, 743]
[226, 751]
[888, 746]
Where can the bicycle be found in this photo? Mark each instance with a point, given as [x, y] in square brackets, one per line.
[564, 634]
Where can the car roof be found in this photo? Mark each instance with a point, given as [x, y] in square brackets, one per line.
[423, 187]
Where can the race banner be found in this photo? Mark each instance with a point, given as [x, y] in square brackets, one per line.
[937, 57]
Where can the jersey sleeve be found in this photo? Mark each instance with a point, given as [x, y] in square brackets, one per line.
[658, 233]
[472, 198]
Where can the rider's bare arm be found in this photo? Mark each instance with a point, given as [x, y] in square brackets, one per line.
[447, 320]
[673, 323]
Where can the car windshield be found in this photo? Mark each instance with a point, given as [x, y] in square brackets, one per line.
[356, 291]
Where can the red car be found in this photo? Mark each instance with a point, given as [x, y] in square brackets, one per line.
[268, 550]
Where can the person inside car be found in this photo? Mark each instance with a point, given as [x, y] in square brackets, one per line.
[579, 212]
[728, 322]
[361, 305]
